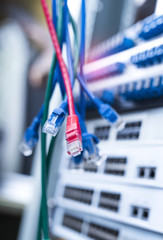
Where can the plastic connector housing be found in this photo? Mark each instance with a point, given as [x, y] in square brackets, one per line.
[91, 151]
[54, 122]
[108, 113]
[73, 136]
[30, 138]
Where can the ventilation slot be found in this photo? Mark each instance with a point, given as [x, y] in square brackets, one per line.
[109, 201]
[78, 194]
[72, 222]
[98, 232]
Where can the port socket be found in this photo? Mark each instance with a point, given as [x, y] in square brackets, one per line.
[130, 131]
[99, 232]
[145, 214]
[141, 172]
[140, 212]
[115, 166]
[134, 211]
[152, 173]
[72, 222]
[147, 172]
[78, 194]
[102, 132]
[109, 201]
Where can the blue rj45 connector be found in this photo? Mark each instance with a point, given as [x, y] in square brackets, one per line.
[30, 138]
[152, 28]
[54, 122]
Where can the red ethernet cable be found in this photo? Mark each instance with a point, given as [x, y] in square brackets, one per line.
[73, 132]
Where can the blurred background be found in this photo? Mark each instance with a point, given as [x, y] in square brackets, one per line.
[25, 58]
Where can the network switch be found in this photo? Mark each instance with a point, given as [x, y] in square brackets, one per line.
[133, 205]
[119, 198]
[74, 225]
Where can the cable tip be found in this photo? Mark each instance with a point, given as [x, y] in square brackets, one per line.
[25, 148]
[73, 136]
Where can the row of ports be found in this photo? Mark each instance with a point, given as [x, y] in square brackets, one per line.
[108, 200]
[113, 166]
[127, 136]
[98, 232]
[78, 194]
[130, 131]
[117, 166]
[95, 231]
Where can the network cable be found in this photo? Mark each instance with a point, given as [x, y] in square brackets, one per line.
[73, 132]
[105, 110]
[82, 57]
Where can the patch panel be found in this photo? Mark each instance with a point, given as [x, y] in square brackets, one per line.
[148, 57]
[132, 73]
[110, 70]
[120, 198]
[110, 47]
[116, 202]
[141, 166]
[142, 90]
[152, 28]
[88, 227]
[146, 133]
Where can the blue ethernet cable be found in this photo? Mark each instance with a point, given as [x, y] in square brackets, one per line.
[31, 135]
[62, 40]
[82, 58]
[54, 11]
[90, 141]
[105, 110]
[90, 150]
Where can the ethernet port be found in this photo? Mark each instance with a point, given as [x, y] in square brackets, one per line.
[141, 172]
[152, 173]
[134, 211]
[145, 214]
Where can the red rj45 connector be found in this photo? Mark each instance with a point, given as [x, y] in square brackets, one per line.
[73, 136]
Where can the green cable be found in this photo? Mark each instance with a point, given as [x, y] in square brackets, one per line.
[43, 218]
[44, 210]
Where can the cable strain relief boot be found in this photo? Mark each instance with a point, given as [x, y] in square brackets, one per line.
[73, 136]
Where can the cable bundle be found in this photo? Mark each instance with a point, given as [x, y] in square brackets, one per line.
[80, 143]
